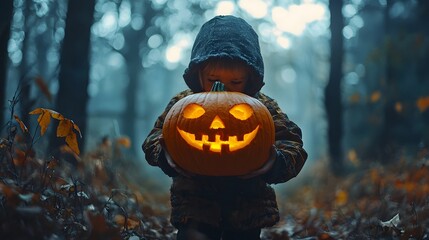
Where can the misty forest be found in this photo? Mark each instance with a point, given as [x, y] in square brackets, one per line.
[82, 83]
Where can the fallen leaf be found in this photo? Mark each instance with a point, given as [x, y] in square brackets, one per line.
[100, 229]
[353, 157]
[26, 197]
[341, 197]
[130, 223]
[124, 141]
[354, 98]
[82, 195]
[394, 222]
[423, 103]
[10, 193]
[325, 236]
[375, 96]
[399, 107]
[68, 187]
[19, 158]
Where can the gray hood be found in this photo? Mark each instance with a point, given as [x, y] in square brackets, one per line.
[226, 37]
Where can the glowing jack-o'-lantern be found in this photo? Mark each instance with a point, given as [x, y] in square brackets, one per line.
[219, 133]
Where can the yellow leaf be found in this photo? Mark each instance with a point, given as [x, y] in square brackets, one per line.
[375, 176]
[21, 124]
[353, 157]
[423, 103]
[341, 197]
[124, 141]
[76, 128]
[375, 96]
[354, 98]
[44, 120]
[64, 128]
[71, 141]
[399, 107]
[55, 114]
[37, 111]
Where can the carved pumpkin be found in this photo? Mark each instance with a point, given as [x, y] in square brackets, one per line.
[219, 133]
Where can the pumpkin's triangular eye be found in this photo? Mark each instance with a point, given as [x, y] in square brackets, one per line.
[241, 111]
[193, 111]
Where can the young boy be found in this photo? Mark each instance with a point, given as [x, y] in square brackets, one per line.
[227, 50]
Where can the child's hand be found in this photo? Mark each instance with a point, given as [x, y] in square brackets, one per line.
[171, 162]
[265, 168]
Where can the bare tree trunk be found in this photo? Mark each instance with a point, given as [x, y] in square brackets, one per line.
[72, 97]
[6, 12]
[25, 66]
[404, 126]
[334, 108]
[389, 91]
[134, 68]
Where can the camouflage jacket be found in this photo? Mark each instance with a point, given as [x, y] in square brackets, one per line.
[230, 201]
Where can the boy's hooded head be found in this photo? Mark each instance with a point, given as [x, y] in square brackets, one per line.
[226, 37]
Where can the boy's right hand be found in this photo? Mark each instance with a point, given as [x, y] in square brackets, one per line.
[171, 162]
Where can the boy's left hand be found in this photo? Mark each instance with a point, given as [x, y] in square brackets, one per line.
[171, 162]
[177, 168]
[265, 168]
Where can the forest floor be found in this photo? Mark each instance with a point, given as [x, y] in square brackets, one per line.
[92, 198]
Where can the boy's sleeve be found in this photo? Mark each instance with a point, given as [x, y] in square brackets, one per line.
[291, 155]
[154, 153]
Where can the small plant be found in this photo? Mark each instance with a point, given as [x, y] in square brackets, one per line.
[16, 149]
[56, 197]
[18, 157]
[66, 127]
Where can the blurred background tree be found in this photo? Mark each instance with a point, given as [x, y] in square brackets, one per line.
[114, 70]
[385, 83]
[5, 22]
[73, 77]
[333, 103]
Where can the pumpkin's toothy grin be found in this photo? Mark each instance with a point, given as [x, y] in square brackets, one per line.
[232, 144]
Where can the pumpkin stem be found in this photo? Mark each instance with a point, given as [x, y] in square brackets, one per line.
[218, 87]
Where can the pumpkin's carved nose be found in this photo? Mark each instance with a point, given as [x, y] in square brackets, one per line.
[217, 123]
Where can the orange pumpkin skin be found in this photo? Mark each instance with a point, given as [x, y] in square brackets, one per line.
[204, 136]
